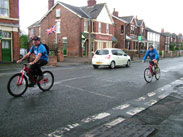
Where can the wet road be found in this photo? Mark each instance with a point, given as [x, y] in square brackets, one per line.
[79, 92]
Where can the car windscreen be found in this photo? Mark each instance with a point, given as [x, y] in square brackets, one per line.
[102, 52]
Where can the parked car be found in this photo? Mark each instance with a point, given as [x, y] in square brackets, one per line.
[111, 57]
[23, 52]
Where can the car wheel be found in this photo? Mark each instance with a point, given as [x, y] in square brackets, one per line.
[112, 66]
[95, 66]
[128, 63]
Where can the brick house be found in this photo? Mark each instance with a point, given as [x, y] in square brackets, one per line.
[127, 30]
[9, 29]
[73, 26]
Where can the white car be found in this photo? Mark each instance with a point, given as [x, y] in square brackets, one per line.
[23, 52]
[111, 57]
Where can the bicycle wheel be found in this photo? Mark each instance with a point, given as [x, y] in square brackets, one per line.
[14, 87]
[158, 74]
[148, 75]
[47, 82]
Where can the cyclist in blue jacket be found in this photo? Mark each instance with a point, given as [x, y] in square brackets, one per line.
[153, 55]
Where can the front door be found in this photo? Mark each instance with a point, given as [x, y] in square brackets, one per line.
[65, 49]
[6, 50]
[84, 50]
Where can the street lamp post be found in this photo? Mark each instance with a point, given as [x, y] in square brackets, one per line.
[89, 37]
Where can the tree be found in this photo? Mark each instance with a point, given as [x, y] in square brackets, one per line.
[23, 41]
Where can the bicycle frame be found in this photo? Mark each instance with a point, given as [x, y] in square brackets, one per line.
[27, 70]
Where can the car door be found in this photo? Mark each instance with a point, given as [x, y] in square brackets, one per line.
[115, 56]
[124, 58]
[120, 57]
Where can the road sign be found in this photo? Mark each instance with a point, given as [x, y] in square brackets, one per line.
[139, 38]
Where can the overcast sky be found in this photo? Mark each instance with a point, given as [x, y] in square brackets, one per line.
[157, 14]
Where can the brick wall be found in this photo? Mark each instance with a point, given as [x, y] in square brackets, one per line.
[117, 33]
[16, 46]
[14, 8]
[70, 28]
[162, 43]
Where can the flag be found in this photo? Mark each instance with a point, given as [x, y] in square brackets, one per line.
[51, 30]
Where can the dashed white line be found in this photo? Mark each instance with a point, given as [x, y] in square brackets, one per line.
[122, 107]
[151, 102]
[141, 99]
[114, 122]
[135, 111]
[95, 117]
[151, 94]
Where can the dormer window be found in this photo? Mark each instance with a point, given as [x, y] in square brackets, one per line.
[4, 8]
[58, 14]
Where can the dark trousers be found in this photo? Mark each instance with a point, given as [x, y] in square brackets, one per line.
[36, 68]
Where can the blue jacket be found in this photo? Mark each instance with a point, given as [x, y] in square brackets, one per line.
[152, 54]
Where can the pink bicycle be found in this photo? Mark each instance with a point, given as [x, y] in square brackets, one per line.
[151, 71]
[18, 83]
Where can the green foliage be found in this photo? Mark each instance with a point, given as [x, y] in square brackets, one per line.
[23, 41]
[160, 53]
[172, 46]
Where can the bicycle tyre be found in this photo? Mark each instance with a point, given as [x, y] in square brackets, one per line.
[157, 78]
[52, 81]
[10, 91]
[149, 79]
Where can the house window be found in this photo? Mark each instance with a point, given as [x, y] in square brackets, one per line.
[39, 31]
[122, 29]
[132, 30]
[58, 28]
[4, 7]
[58, 13]
[107, 28]
[100, 27]
[32, 31]
[86, 26]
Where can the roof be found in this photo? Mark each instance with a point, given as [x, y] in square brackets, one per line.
[139, 22]
[127, 18]
[151, 30]
[166, 34]
[93, 11]
[74, 9]
[36, 24]
[84, 12]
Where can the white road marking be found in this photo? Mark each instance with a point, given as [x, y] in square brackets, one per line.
[60, 132]
[122, 107]
[114, 122]
[70, 79]
[151, 102]
[135, 111]
[96, 117]
[151, 94]
[141, 99]
[87, 91]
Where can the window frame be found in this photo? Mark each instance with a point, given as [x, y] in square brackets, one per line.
[8, 8]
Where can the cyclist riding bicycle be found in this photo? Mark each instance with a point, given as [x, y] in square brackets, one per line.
[41, 59]
[153, 55]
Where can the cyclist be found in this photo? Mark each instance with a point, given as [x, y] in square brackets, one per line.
[41, 59]
[153, 55]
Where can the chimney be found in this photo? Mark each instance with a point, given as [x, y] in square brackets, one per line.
[50, 4]
[115, 13]
[91, 3]
[162, 30]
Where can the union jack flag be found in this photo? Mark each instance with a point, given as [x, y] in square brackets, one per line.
[51, 30]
